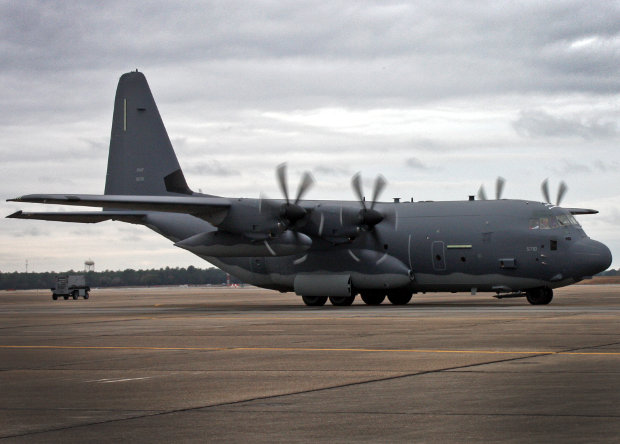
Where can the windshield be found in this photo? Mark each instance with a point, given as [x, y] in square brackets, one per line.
[548, 222]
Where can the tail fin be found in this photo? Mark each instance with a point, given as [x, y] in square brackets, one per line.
[141, 160]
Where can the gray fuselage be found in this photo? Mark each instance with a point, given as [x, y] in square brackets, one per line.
[494, 245]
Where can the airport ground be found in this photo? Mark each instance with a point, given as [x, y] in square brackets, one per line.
[231, 365]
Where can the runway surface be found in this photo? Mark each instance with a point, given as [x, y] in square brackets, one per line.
[229, 365]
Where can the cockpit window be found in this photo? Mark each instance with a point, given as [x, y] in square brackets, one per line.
[549, 222]
[572, 219]
[563, 220]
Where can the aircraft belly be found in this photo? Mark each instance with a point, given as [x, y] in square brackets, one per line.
[241, 268]
[465, 282]
[368, 269]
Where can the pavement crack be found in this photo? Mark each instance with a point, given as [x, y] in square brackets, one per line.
[267, 397]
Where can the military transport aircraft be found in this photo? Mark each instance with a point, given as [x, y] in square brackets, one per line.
[333, 249]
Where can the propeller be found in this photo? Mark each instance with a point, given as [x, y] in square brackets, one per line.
[290, 212]
[368, 217]
[561, 191]
[499, 189]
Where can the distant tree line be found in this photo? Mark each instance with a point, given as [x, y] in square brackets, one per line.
[133, 278]
[126, 278]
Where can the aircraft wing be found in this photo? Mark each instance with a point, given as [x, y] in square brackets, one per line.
[211, 209]
[84, 217]
[581, 211]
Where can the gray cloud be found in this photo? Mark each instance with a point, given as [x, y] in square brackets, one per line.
[227, 74]
[606, 166]
[535, 123]
[211, 168]
[331, 170]
[60, 179]
[416, 164]
[568, 167]
[32, 231]
[327, 52]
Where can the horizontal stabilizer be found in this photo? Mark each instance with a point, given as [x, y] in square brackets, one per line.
[581, 211]
[84, 217]
[211, 209]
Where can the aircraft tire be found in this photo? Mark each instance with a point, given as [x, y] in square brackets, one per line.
[400, 297]
[314, 301]
[341, 301]
[372, 297]
[539, 296]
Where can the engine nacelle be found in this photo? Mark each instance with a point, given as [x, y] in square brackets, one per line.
[222, 244]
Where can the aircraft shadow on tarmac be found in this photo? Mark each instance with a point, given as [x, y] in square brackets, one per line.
[450, 305]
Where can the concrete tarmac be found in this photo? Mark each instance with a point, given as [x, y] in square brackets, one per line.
[231, 365]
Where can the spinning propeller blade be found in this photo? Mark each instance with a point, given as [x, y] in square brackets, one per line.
[545, 190]
[561, 191]
[306, 183]
[499, 187]
[281, 176]
[356, 183]
[380, 184]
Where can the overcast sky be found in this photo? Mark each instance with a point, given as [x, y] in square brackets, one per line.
[439, 97]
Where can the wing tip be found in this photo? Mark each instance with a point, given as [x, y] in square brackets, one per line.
[581, 211]
[16, 215]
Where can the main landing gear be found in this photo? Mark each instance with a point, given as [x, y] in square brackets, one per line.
[370, 297]
[341, 301]
[539, 296]
[399, 297]
[314, 301]
[319, 301]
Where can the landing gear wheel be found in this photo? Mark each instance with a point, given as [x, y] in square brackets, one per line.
[539, 296]
[341, 301]
[372, 297]
[75, 294]
[314, 301]
[54, 296]
[400, 297]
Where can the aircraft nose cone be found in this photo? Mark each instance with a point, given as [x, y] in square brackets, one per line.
[591, 257]
[605, 257]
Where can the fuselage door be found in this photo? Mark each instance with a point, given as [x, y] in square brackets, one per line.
[439, 256]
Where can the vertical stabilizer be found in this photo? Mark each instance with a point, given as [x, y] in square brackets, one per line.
[141, 160]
